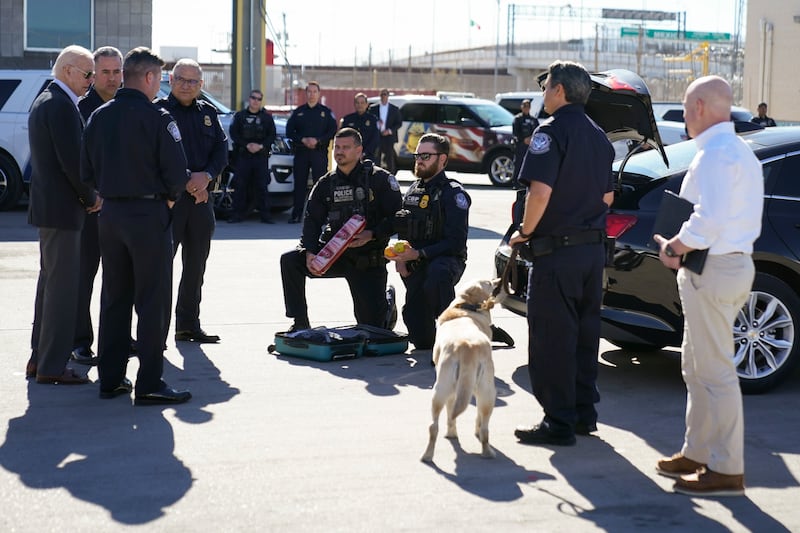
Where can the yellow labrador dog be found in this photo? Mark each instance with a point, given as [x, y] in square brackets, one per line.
[462, 354]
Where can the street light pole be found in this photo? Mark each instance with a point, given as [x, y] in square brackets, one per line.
[497, 46]
[560, 13]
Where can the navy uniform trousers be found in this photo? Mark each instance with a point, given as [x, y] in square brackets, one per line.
[136, 248]
[192, 228]
[367, 287]
[565, 291]
[429, 290]
[252, 179]
[305, 160]
[90, 261]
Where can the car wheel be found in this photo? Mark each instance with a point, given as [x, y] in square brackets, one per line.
[501, 169]
[222, 195]
[10, 183]
[635, 346]
[766, 335]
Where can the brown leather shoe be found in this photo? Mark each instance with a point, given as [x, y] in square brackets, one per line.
[69, 377]
[30, 368]
[706, 482]
[677, 466]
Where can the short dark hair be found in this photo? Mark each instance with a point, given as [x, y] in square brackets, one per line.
[349, 132]
[762, 104]
[441, 142]
[315, 83]
[139, 62]
[107, 51]
[258, 92]
[385, 91]
[574, 78]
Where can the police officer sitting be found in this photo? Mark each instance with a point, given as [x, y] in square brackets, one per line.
[355, 187]
[252, 132]
[366, 124]
[524, 124]
[435, 222]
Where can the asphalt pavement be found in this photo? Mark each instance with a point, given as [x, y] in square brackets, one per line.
[274, 443]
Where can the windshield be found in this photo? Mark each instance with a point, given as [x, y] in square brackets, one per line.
[493, 114]
[651, 164]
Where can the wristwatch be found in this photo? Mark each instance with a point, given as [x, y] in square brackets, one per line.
[669, 252]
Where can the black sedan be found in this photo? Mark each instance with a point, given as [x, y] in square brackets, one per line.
[641, 308]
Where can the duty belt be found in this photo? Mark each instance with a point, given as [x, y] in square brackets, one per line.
[546, 245]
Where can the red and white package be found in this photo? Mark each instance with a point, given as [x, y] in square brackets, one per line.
[335, 247]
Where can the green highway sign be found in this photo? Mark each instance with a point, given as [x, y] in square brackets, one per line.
[674, 34]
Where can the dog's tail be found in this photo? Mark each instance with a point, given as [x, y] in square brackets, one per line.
[468, 371]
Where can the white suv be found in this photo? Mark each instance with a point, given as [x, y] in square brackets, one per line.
[18, 90]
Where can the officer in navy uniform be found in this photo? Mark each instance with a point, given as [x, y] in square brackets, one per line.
[132, 154]
[366, 124]
[435, 222]
[252, 132]
[355, 187]
[568, 175]
[108, 78]
[524, 124]
[193, 223]
[310, 127]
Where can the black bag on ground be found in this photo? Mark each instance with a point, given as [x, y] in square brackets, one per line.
[344, 342]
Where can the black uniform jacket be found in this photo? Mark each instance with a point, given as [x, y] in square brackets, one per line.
[132, 148]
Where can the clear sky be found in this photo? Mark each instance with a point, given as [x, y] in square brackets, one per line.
[336, 32]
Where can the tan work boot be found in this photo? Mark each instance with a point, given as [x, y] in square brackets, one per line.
[677, 466]
[706, 482]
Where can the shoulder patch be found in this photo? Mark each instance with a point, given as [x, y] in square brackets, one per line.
[540, 144]
[393, 183]
[461, 201]
[173, 130]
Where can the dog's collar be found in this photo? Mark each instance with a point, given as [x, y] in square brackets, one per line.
[468, 307]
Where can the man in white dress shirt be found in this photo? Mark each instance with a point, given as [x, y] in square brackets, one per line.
[725, 184]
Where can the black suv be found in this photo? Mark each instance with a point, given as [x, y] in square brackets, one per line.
[641, 307]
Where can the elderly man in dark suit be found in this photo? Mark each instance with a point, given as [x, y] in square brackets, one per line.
[58, 205]
[389, 122]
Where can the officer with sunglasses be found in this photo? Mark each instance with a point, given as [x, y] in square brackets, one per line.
[435, 221]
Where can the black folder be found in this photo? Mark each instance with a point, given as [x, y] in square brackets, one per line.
[674, 211]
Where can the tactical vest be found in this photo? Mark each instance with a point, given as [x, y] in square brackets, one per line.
[346, 198]
[253, 127]
[424, 220]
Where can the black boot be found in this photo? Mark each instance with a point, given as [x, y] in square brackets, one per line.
[500, 335]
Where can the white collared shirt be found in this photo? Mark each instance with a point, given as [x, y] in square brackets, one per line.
[383, 109]
[725, 183]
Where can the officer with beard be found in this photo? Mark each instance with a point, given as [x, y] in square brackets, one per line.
[355, 187]
[435, 222]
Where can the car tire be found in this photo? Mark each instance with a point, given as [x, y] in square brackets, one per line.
[222, 195]
[635, 346]
[11, 185]
[501, 169]
[766, 335]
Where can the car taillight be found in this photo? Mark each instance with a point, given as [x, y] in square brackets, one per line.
[616, 224]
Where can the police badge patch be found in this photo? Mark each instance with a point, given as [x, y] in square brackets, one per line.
[173, 130]
[461, 201]
[207, 120]
[540, 144]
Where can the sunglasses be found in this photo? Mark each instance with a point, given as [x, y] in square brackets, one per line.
[255, 97]
[425, 155]
[179, 80]
[86, 75]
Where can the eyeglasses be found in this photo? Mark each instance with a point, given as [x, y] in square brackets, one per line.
[186, 81]
[255, 97]
[86, 75]
[426, 155]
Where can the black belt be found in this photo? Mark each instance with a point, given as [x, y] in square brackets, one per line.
[142, 197]
[547, 245]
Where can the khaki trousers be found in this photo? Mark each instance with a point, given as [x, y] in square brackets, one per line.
[714, 416]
